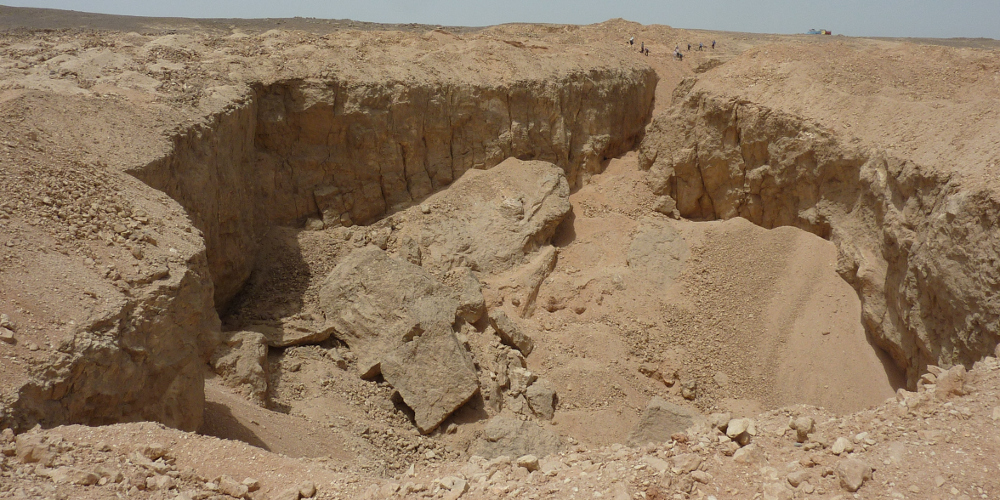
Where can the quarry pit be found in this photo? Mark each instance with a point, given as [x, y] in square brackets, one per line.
[378, 248]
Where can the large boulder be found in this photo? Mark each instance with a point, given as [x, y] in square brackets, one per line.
[490, 220]
[398, 319]
[375, 303]
[434, 375]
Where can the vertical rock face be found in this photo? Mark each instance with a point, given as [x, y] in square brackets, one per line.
[352, 151]
[142, 359]
[918, 247]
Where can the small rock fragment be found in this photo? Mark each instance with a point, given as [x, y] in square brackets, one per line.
[307, 489]
[842, 445]
[803, 426]
[689, 389]
[798, 477]
[853, 473]
[701, 476]
[229, 486]
[529, 462]
[292, 493]
[510, 334]
[720, 420]
[749, 454]
[541, 396]
[685, 462]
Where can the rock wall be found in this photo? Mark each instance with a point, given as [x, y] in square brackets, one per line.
[143, 360]
[919, 247]
[350, 152]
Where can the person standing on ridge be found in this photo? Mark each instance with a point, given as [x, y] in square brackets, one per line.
[631, 41]
[713, 44]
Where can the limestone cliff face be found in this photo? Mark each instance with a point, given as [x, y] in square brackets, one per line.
[142, 361]
[350, 152]
[920, 249]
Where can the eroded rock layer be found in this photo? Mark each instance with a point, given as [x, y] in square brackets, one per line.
[349, 152]
[920, 248]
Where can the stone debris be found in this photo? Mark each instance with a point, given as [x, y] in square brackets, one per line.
[434, 375]
[853, 473]
[841, 446]
[480, 224]
[375, 303]
[689, 389]
[740, 430]
[509, 333]
[241, 361]
[661, 420]
[802, 426]
[7, 335]
[529, 462]
[541, 397]
[512, 437]
[291, 332]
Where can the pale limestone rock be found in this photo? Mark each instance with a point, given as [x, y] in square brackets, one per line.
[307, 489]
[803, 426]
[737, 426]
[241, 361]
[685, 462]
[434, 374]
[509, 436]
[482, 229]
[701, 476]
[510, 333]
[658, 464]
[951, 382]
[375, 303]
[842, 445]
[541, 397]
[529, 462]
[661, 420]
[798, 477]
[749, 454]
[853, 473]
[720, 420]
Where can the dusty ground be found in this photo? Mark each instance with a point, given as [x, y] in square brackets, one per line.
[758, 320]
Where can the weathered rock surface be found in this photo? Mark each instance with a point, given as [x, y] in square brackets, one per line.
[139, 356]
[541, 396]
[375, 303]
[509, 333]
[721, 157]
[434, 374]
[328, 146]
[491, 220]
[661, 419]
[241, 361]
[853, 473]
[505, 435]
[291, 332]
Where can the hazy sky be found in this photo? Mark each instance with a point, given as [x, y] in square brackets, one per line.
[910, 18]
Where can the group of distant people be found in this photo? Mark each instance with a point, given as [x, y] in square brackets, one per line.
[677, 50]
[680, 55]
[642, 46]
